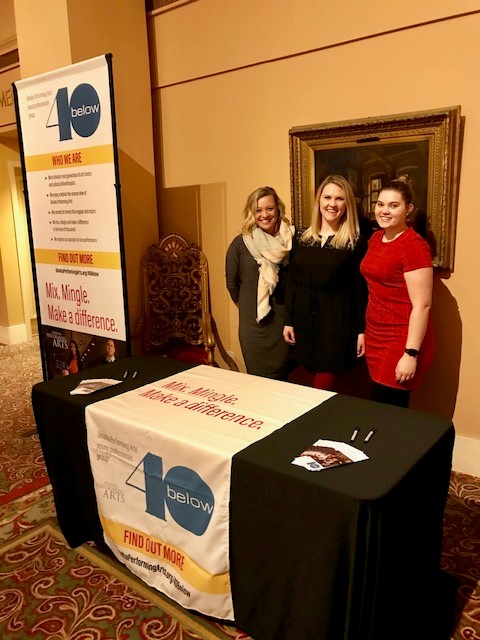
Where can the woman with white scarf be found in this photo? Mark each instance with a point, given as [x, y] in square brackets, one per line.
[255, 267]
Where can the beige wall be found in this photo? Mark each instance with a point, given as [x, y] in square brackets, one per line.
[231, 79]
[228, 93]
[43, 37]
[7, 23]
[120, 28]
[11, 306]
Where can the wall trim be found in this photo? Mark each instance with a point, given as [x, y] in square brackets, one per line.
[8, 44]
[162, 6]
[334, 45]
[466, 456]
[13, 335]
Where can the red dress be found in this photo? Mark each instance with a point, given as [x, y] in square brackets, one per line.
[389, 306]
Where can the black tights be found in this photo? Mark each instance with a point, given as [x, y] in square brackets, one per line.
[389, 395]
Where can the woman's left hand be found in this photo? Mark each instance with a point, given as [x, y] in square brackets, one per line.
[360, 345]
[405, 369]
[289, 334]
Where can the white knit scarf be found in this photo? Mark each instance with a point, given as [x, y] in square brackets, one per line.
[270, 252]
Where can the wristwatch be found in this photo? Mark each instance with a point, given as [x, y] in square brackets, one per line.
[412, 352]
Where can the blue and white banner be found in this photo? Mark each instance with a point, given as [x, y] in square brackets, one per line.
[66, 122]
[161, 461]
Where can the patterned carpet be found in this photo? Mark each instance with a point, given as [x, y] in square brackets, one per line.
[52, 592]
[49, 591]
[461, 553]
[22, 467]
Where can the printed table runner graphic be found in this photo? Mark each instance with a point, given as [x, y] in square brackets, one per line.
[161, 461]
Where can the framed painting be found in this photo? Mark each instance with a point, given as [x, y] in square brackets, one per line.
[423, 146]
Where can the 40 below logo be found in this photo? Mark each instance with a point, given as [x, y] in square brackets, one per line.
[189, 499]
[80, 112]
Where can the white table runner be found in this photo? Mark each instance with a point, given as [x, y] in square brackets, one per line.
[161, 462]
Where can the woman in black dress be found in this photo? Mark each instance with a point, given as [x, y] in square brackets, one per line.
[325, 294]
[255, 266]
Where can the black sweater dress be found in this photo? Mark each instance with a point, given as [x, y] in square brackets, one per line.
[325, 303]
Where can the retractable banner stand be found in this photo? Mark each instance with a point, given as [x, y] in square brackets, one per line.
[69, 157]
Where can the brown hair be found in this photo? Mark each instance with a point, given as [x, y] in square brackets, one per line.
[401, 184]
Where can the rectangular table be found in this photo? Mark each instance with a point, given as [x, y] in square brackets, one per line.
[345, 553]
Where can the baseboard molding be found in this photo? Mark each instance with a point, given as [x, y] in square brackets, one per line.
[13, 335]
[466, 456]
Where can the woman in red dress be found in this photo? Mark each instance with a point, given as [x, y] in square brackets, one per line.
[398, 269]
[74, 363]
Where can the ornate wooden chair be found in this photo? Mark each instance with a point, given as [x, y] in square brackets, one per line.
[176, 321]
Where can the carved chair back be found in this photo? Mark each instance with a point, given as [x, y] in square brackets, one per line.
[176, 301]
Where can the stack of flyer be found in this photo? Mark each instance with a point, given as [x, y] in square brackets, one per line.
[325, 454]
[93, 384]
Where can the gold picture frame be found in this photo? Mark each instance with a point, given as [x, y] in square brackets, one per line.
[424, 145]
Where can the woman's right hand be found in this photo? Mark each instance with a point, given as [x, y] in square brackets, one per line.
[289, 335]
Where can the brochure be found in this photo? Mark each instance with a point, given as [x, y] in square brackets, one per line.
[326, 454]
[93, 384]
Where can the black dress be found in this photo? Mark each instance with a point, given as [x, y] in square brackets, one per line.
[325, 303]
[263, 347]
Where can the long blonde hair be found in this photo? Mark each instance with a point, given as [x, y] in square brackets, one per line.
[250, 209]
[349, 229]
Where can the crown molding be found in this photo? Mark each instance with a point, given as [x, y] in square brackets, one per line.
[8, 44]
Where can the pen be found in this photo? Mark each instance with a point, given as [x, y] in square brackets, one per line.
[354, 434]
[134, 374]
[369, 435]
[125, 374]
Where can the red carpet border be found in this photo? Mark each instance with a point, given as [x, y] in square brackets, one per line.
[19, 516]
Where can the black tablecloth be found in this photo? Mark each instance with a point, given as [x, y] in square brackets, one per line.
[351, 552]
[341, 554]
[60, 421]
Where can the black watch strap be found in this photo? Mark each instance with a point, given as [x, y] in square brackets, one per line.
[412, 352]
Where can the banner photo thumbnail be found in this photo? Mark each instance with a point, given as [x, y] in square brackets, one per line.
[69, 162]
[66, 351]
[161, 462]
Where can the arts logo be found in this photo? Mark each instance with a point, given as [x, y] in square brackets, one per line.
[60, 341]
[110, 491]
[81, 112]
[189, 500]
